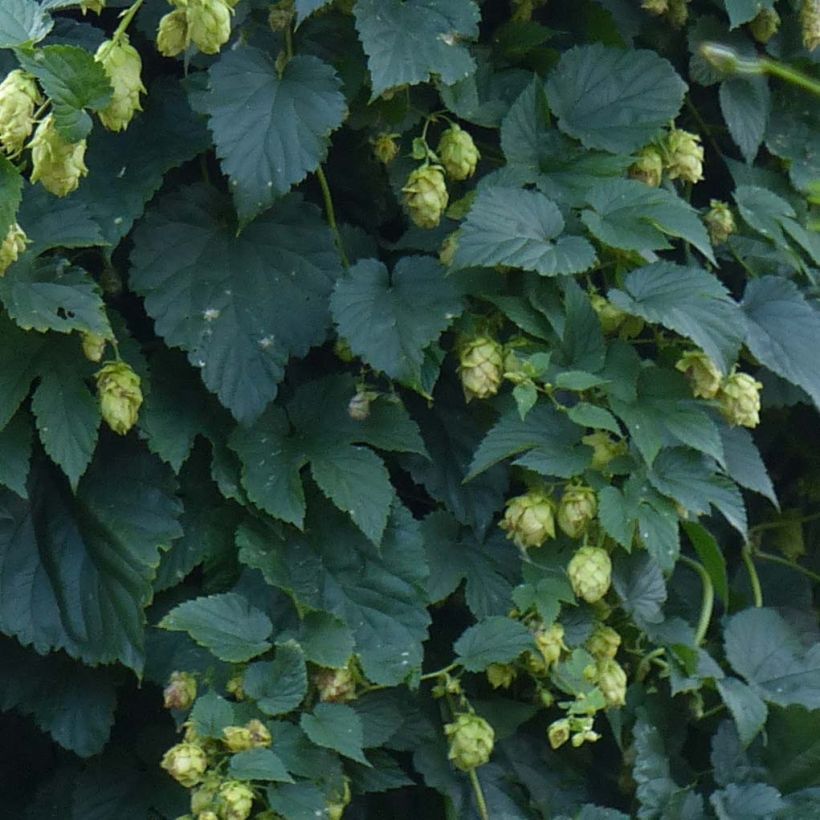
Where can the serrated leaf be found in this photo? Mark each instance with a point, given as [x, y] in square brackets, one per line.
[22, 21]
[335, 726]
[743, 462]
[325, 639]
[493, 640]
[16, 440]
[614, 99]
[524, 134]
[11, 193]
[746, 707]
[639, 582]
[304, 8]
[299, 801]
[381, 713]
[742, 11]
[211, 714]
[590, 415]
[278, 686]
[270, 129]
[711, 556]
[747, 800]
[793, 749]
[234, 630]
[406, 42]
[745, 104]
[258, 764]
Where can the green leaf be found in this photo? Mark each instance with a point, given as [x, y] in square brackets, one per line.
[278, 686]
[524, 131]
[521, 229]
[22, 21]
[639, 582]
[590, 415]
[226, 624]
[793, 749]
[335, 726]
[382, 714]
[747, 800]
[73, 80]
[658, 531]
[299, 801]
[746, 707]
[582, 341]
[249, 302]
[11, 193]
[614, 99]
[781, 329]
[304, 8]
[711, 557]
[743, 461]
[742, 11]
[632, 216]
[211, 714]
[745, 104]
[387, 319]
[15, 453]
[258, 764]
[406, 42]
[493, 640]
[325, 639]
[271, 129]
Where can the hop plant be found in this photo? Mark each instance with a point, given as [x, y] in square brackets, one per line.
[719, 221]
[558, 732]
[186, 763]
[577, 508]
[648, 166]
[702, 372]
[123, 67]
[118, 387]
[604, 448]
[765, 25]
[12, 246]
[180, 691]
[481, 367]
[458, 153]
[209, 24]
[739, 398]
[335, 685]
[684, 156]
[234, 800]
[19, 96]
[529, 519]
[590, 573]
[471, 741]
[385, 148]
[550, 642]
[58, 165]
[500, 675]
[173, 36]
[810, 23]
[611, 680]
[603, 643]
[425, 196]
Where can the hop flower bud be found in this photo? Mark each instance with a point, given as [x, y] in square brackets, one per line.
[471, 741]
[57, 164]
[590, 573]
[92, 5]
[93, 346]
[358, 408]
[339, 801]
[684, 156]
[123, 67]
[118, 387]
[234, 800]
[335, 685]
[458, 153]
[603, 643]
[11, 247]
[585, 736]
[209, 24]
[385, 148]
[500, 675]
[739, 399]
[702, 372]
[425, 196]
[173, 36]
[578, 506]
[765, 25]
[481, 367]
[810, 23]
[610, 317]
[648, 166]
[551, 643]
[180, 693]
[529, 519]
[719, 221]
[558, 733]
[604, 448]
[611, 681]
[236, 686]
[186, 763]
[447, 251]
[18, 97]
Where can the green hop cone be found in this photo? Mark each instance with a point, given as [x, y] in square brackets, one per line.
[577, 508]
[203, 797]
[92, 5]
[339, 801]
[528, 519]
[58, 165]
[584, 736]
[703, 374]
[678, 12]
[481, 367]
[358, 408]
[260, 734]
[810, 23]
[425, 196]
[234, 800]
[118, 387]
[719, 221]
[550, 642]
[610, 317]
[180, 692]
[603, 643]
[253, 735]
[648, 166]
[558, 733]
[173, 35]
[739, 399]
[447, 251]
[19, 96]
[335, 685]
[611, 680]
[235, 686]
[500, 675]
[12, 246]
[186, 763]
[765, 25]
[590, 573]
[684, 156]
[123, 67]
[458, 153]
[604, 448]
[471, 741]
[93, 346]
[209, 24]
[385, 148]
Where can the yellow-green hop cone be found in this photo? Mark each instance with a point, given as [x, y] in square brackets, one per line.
[810, 23]
[186, 763]
[719, 221]
[92, 5]
[19, 95]
[604, 448]
[739, 399]
[765, 25]
[577, 508]
[590, 573]
[425, 196]
[236, 686]
[339, 801]
[180, 691]
[500, 675]
[678, 12]
[447, 251]
[603, 643]
[703, 374]
[610, 317]
[684, 156]
[118, 387]
[529, 520]
[260, 734]
[656, 7]
[385, 148]
[173, 35]
[58, 165]
[209, 24]
[207, 815]
[471, 741]
[558, 733]
[335, 685]
[611, 680]
[234, 800]
[648, 166]
[458, 153]
[550, 642]
[123, 67]
[12, 246]
[480, 367]
[202, 798]
[93, 346]
[584, 736]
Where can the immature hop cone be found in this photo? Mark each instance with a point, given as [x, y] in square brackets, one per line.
[234, 800]
[765, 25]
[335, 685]
[172, 35]
[611, 680]
[810, 23]
[209, 24]
[577, 508]
[186, 763]
[385, 148]
[550, 642]
[202, 798]
[610, 317]
[253, 735]
[703, 374]
[603, 643]
[123, 67]
[604, 448]
[57, 164]
[529, 519]
[358, 408]
[648, 166]
[558, 732]
[739, 399]
[93, 346]
[500, 675]
[471, 741]
[481, 367]
[425, 196]
[180, 692]
[118, 387]
[684, 156]
[19, 96]
[11, 247]
[719, 221]
[590, 573]
[458, 153]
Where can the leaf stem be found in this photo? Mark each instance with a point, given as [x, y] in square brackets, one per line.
[439, 672]
[127, 17]
[790, 75]
[289, 42]
[479, 795]
[708, 600]
[757, 592]
[331, 215]
[785, 522]
[777, 559]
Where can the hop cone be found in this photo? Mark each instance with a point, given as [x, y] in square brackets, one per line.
[92, 5]
[500, 675]
[551, 643]
[739, 399]
[339, 801]
[385, 148]
[471, 741]
[684, 156]
[19, 96]
[11, 247]
[719, 221]
[335, 685]
[425, 196]
[209, 24]
[123, 68]
[648, 166]
[93, 346]
[765, 25]
[604, 448]
[810, 23]
[458, 153]
[590, 573]
[180, 693]
[702, 372]
[173, 35]
[202, 798]
[529, 519]
[604, 642]
[186, 763]
[611, 681]
[481, 367]
[57, 164]
[118, 387]
[234, 800]
[577, 508]
[558, 733]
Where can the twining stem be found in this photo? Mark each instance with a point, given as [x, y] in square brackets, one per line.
[127, 17]
[707, 602]
[790, 75]
[777, 559]
[479, 795]
[757, 592]
[331, 215]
